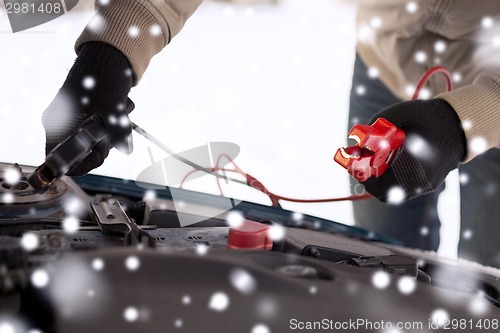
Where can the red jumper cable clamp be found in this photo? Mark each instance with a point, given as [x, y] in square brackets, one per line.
[376, 147]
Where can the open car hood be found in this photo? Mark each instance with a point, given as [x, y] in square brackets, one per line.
[100, 254]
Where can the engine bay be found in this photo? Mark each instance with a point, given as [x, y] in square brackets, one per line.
[103, 254]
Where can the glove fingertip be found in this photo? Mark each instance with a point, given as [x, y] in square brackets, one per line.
[126, 146]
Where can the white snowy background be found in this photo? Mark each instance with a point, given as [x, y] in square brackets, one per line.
[272, 78]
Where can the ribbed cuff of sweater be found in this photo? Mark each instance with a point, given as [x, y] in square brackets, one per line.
[131, 28]
[478, 107]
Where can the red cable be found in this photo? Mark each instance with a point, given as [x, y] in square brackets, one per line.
[275, 198]
[428, 74]
[256, 184]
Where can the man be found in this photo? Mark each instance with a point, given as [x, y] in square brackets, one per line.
[118, 43]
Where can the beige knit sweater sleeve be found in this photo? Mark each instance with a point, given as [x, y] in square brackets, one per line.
[138, 28]
[478, 107]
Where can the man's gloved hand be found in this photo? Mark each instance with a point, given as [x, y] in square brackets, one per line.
[435, 144]
[98, 83]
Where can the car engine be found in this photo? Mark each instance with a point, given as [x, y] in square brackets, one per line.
[101, 254]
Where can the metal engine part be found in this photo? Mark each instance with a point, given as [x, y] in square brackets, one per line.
[19, 199]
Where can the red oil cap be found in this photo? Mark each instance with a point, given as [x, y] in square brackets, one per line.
[249, 235]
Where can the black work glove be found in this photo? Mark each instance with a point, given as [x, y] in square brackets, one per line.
[97, 84]
[435, 144]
